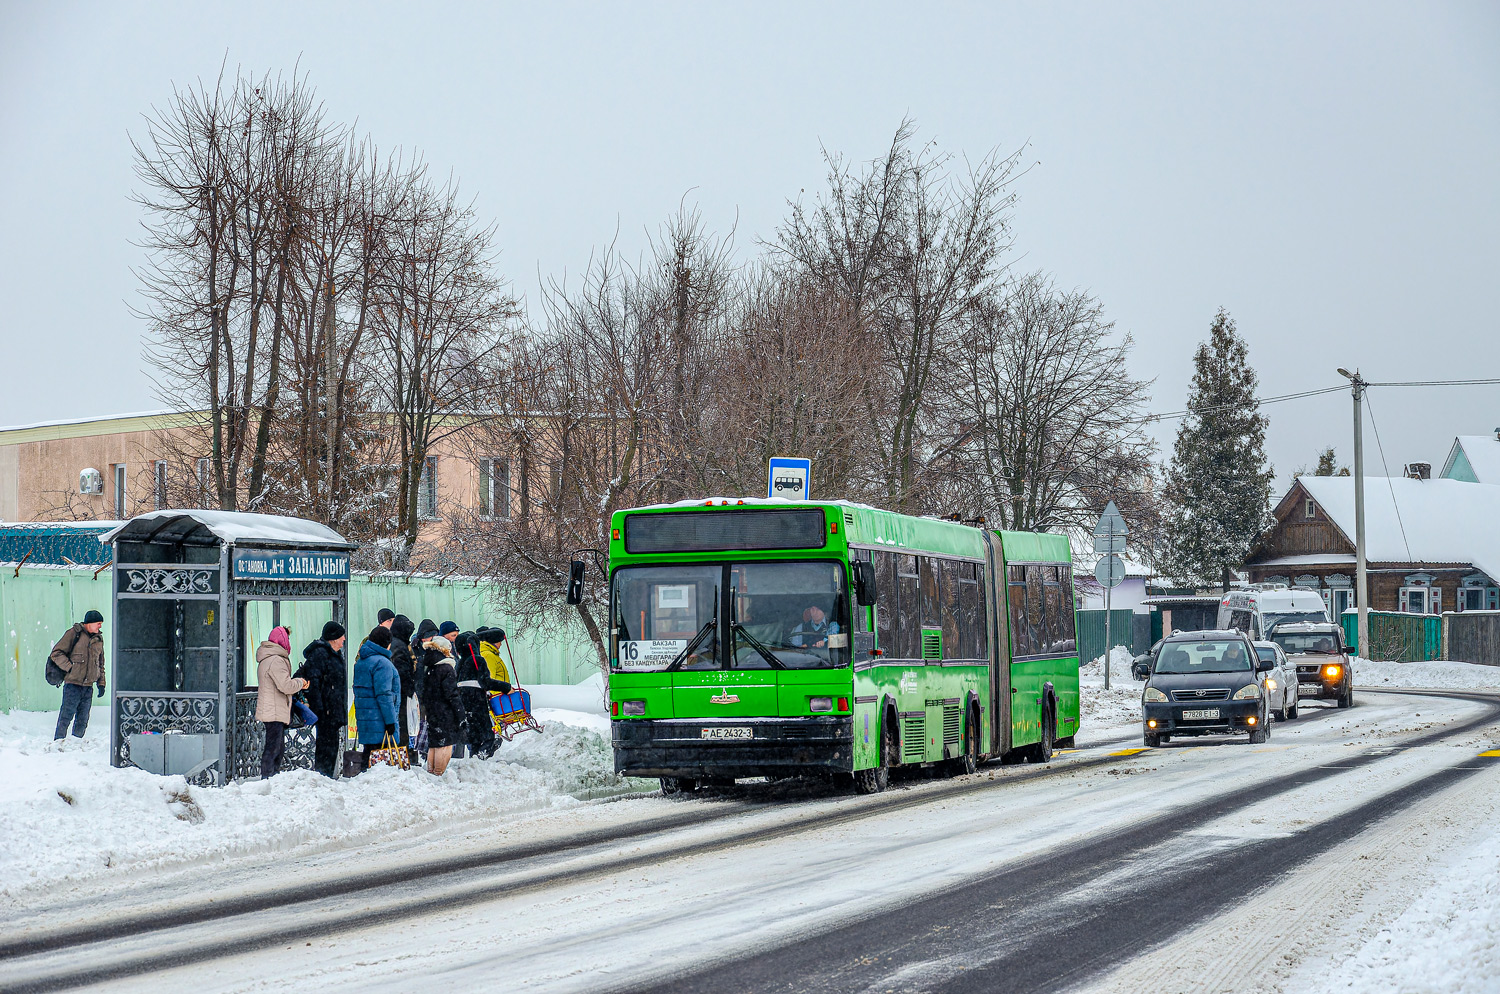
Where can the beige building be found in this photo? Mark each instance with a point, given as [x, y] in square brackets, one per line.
[112, 468]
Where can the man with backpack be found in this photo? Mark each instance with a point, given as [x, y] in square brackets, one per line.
[79, 657]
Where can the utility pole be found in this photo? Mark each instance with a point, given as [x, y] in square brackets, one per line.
[1357, 387]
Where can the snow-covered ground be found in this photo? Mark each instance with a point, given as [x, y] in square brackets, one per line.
[66, 814]
[1104, 711]
[1432, 674]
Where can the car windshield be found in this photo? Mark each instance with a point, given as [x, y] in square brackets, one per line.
[1270, 621]
[1304, 642]
[1203, 657]
[777, 615]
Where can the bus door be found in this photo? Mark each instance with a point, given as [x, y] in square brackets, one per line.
[999, 641]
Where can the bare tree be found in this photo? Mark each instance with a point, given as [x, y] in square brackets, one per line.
[1049, 417]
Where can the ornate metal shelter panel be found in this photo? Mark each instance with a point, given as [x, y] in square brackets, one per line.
[161, 712]
[152, 580]
[291, 589]
[249, 741]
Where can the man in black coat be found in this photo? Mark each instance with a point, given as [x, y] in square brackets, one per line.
[327, 675]
[474, 685]
[406, 668]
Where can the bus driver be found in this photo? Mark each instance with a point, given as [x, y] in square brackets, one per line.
[814, 630]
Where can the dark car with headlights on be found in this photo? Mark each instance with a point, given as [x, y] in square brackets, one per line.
[1203, 682]
[1324, 667]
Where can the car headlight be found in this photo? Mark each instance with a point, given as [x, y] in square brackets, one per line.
[1332, 672]
[1248, 692]
[1154, 696]
[1270, 683]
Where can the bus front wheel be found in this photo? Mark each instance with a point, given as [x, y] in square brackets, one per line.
[878, 778]
[678, 785]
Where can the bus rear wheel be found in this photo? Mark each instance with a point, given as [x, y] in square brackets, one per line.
[678, 785]
[1041, 752]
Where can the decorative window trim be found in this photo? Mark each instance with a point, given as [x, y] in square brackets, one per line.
[427, 491]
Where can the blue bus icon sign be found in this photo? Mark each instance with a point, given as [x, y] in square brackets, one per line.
[789, 479]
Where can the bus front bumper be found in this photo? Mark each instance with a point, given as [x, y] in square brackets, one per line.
[733, 747]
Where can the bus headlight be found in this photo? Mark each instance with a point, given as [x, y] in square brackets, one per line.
[1154, 696]
[1248, 692]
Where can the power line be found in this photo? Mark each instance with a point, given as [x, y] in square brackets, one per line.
[1148, 419]
[1389, 484]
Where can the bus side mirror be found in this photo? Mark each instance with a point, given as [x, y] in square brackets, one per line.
[575, 582]
[864, 583]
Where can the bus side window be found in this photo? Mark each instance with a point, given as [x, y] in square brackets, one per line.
[908, 635]
[973, 640]
[953, 640]
[1036, 615]
[885, 605]
[1067, 630]
[1020, 628]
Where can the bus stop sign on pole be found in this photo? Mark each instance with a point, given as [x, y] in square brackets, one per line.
[789, 478]
[1109, 543]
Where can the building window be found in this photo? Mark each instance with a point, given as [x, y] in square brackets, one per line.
[159, 488]
[494, 488]
[120, 511]
[1421, 600]
[427, 504]
[1477, 593]
[1309, 509]
[1339, 600]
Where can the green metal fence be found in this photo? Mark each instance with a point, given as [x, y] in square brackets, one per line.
[1091, 632]
[1401, 638]
[39, 603]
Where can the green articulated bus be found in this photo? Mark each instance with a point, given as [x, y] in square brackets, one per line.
[752, 638]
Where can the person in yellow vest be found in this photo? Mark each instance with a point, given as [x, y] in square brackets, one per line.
[489, 648]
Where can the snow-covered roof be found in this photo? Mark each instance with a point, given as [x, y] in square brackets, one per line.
[1445, 521]
[1481, 452]
[1313, 559]
[229, 527]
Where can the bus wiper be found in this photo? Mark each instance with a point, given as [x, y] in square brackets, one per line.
[758, 647]
[692, 646]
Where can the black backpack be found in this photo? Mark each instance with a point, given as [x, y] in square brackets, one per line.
[55, 673]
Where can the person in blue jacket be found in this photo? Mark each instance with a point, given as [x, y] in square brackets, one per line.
[377, 693]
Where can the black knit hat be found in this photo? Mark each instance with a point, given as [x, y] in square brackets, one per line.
[92, 617]
[386, 614]
[447, 627]
[332, 630]
[380, 636]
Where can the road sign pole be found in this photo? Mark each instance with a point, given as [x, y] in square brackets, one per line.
[1107, 592]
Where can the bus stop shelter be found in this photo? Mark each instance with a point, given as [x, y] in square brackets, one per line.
[195, 593]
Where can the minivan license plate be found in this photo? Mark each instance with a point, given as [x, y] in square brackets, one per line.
[728, 733]
[1208, 714]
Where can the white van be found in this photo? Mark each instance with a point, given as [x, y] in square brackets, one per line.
[1256, 609]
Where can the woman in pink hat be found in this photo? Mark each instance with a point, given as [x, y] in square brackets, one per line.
[275, 687]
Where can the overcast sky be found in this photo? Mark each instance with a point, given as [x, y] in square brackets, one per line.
[1329, 173]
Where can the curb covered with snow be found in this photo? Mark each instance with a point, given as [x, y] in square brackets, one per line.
[65, 813]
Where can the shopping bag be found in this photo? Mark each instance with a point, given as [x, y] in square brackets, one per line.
[391, 754]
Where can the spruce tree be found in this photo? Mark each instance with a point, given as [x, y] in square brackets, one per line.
[1218, 491]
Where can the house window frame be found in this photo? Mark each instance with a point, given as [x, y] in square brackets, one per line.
[494, 489]
[1420, 583]
[122, 490]
[159, 484]
[1309, 509]
[427, 491]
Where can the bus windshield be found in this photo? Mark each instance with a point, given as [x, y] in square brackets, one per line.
[779, 615]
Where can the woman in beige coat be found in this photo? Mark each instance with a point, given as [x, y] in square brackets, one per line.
[275, 687]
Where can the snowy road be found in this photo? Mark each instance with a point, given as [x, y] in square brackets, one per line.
[1199, 866]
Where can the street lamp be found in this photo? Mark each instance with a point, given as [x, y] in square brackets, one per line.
[1357, 386]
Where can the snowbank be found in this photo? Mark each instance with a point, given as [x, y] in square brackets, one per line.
[1120, 705]
[1446, 942]
[66, 813]
[1434, 673]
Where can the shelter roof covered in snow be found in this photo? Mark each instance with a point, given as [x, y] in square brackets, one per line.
[205, 527]
[1439, 521]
